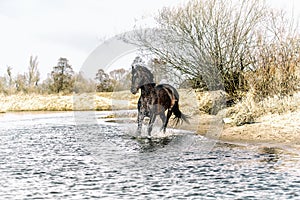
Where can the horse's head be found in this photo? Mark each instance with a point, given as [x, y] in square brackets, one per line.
[140, 75]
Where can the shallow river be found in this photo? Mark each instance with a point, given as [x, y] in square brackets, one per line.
[59, 156]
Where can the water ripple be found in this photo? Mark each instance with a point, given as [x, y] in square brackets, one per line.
[44, 160]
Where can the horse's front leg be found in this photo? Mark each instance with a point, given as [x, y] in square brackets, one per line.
[151, 122]
[140, 119]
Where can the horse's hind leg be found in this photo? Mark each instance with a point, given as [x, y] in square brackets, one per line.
[163, 119]
[169, 113]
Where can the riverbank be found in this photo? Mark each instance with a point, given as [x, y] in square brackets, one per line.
[272, 121]
[272, 128]
[86, 101]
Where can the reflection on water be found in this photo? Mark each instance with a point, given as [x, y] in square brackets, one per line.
[270, 154]
[49, 156]
[152, 144]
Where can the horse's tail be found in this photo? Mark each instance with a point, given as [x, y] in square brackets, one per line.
[179, 116]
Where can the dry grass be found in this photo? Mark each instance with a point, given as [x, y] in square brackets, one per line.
[86, 101]
[35, 102]
[211, 102]
[248, 110]
[122, 100]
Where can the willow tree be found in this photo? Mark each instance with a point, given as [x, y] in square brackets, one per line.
[207, 40]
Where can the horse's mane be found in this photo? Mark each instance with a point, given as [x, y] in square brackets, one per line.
[146, 72]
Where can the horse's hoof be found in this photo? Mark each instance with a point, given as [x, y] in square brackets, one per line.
[162, 129]
[148, 139]
[138, 133]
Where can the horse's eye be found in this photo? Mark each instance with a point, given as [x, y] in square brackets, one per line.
[134, 72]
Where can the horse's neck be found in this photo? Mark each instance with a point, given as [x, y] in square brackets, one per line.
[148, 89]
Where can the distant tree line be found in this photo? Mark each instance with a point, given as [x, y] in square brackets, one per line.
[61, 80]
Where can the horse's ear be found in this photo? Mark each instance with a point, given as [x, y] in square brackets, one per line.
[132, 69]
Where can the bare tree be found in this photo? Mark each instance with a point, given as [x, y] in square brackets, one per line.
[207, 40]
[164, 73]
[3, 84]
[9, 74]
[83, 84]
[117, 74]
[121, 79]
[9, 81]
[33, 72]
[104, 83]
[276, 57]
[20, 83]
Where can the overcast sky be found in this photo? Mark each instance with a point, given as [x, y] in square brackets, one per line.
[73, 28]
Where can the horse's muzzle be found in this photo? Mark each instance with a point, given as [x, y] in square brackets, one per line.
[133, 90]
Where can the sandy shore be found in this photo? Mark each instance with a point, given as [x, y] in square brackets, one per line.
[272, 129]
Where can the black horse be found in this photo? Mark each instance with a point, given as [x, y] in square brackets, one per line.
[154, 99]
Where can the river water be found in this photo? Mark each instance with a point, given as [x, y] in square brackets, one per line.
[56, 156]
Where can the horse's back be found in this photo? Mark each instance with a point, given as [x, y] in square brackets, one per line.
[169, 88]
